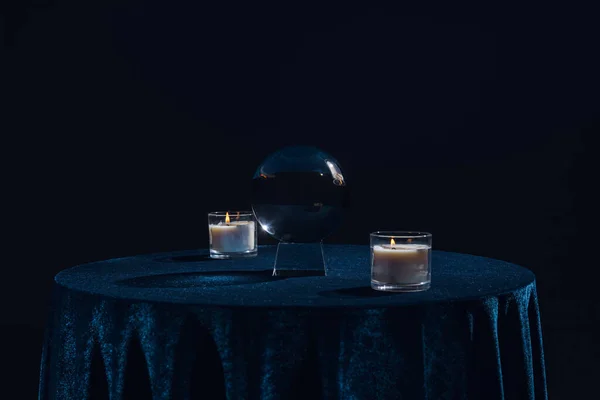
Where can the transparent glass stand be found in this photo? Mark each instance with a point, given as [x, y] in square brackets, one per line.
[299, 259]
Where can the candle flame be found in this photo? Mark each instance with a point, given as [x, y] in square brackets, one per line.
[238, 215]
[392, 242]
[227, 220]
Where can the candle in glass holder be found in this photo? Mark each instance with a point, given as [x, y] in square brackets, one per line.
[232, 238]
[401, 266]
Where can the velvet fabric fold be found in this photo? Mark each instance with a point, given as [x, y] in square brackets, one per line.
[335, 340]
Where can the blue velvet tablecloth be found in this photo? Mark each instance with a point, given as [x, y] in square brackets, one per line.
[183, 326]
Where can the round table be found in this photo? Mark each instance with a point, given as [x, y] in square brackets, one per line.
[183, 326]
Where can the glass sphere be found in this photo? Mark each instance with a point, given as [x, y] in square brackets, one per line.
[299, 194]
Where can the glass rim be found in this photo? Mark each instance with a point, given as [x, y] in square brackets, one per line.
[231, 213]
[401, 234]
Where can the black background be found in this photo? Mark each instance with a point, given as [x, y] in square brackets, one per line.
[123, 123]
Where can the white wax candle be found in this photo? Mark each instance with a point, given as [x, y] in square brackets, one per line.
[237, 236]
[401, 263]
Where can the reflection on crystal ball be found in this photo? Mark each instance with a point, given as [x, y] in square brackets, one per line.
[299, 194]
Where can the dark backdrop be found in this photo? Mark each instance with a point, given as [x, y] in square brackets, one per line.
[123, 123]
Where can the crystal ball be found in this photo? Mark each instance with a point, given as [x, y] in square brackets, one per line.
[299, 194]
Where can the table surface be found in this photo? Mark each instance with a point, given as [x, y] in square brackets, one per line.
[191, 277]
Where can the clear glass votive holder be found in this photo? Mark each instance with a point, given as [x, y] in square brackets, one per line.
[232, 234]
[400, 261]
